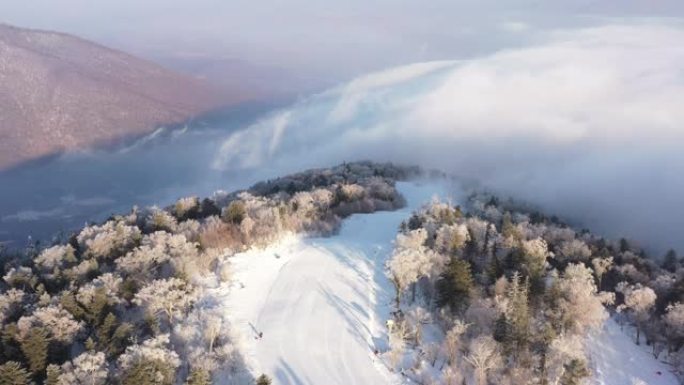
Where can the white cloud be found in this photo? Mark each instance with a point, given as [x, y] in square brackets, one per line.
[589, 120]
[33, 215]
[328, 39]
[514, 26]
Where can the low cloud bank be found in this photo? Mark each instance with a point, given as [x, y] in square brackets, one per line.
[588, 124]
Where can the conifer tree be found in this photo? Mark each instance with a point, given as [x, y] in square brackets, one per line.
[455, 284]
[52, 377]
[670, 262]
[198, 377]
[519, 314]
[12, 373]
[263, 380]
[575, 371]
[235, 212]
[149, 372]
[35, 348]
[11, 349]
[120, 339]
[507, 226]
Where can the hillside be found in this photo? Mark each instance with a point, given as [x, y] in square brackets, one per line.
[59, 92]
[361, 273]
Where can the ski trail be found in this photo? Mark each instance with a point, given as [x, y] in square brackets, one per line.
[617, 360]
[322, 305]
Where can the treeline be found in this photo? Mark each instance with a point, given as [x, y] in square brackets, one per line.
[129, 301]
[500, 294]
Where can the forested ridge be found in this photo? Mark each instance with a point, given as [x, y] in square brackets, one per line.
[497, 293]
[124, 301]
[487, 292]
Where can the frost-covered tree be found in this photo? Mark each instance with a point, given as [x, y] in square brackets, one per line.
[217, 234]
[484, 356]
[10, 304]
[575, 250]
[632, 273]
[160, 220]
[558, 235]
[561, 351]
[581, 304]
[58, 322]
[13, 373]
[674, 322]
[639, 301]
[478, 230]
[150, 363]
[411, 260]
[191, 229]
[451, 238]
[170, 297]
[212, 327]
[82, 271]
[20, 277]
[198, 376]
[55, 257]
[452, 341]
[663, 284]
[108, 240]
[89, 368]
[452, 375]
[107, 284]
[535, 253]
[235, 212]
[186, 208]
[156, 250]
[397, 343]
[601, 266]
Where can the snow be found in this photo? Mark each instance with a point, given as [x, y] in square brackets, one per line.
[321, 303]
[617, 360]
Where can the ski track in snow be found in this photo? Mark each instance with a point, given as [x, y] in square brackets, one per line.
[321, 304]
[618, 360]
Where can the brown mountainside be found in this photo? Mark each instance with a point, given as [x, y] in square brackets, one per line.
[59, 93]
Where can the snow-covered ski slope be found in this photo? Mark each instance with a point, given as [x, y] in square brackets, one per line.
[321, 304]
[618, 360]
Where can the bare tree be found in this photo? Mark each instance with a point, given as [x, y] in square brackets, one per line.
[452, 341]
[483, 355]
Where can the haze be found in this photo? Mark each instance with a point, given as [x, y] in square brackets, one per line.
[573, 105]
[303, 45]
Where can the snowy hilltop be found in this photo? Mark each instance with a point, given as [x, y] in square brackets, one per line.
[357, 274]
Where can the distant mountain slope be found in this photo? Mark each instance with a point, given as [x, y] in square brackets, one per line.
[59, 92]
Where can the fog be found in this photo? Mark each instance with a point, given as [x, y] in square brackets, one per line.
[311, 44]
[57, 196]
[587, 124]
[573, 105]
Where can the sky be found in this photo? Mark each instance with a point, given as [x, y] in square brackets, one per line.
[319, 43]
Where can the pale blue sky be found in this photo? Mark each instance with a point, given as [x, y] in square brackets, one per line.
[327, 39]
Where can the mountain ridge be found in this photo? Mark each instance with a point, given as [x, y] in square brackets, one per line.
[60, 92]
